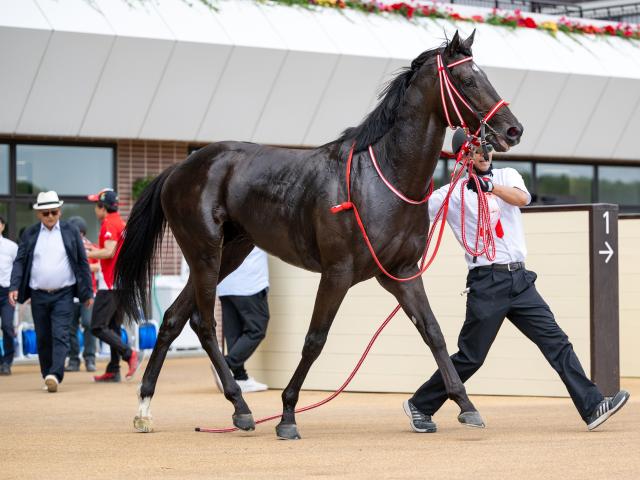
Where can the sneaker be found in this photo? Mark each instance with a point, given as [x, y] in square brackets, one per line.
[250, 385]
[419, 421]
[90, 365]
[216, 378]
[606, 408]
[51, 381]
[5, 369]
[134, 363]
[72, 367]
[107, 377]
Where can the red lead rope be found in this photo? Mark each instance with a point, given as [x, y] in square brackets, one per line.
[484, 224]
[439, 218]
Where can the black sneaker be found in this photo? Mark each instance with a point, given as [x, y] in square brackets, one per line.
[72, 367]
[606, 408]
[90, 364]
[419, 421]
[5, 369]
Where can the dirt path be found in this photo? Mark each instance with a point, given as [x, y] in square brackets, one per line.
[85, 431]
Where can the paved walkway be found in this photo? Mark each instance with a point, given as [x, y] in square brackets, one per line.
[85, 431]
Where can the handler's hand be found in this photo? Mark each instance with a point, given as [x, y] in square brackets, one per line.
[88, 303]
[486, 185]
[13, 297]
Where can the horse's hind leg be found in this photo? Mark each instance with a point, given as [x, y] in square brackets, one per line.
[413, 299]
[204, 272]
[330, 294]
[172, 324]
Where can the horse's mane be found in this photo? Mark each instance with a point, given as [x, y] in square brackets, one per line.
[381, 119]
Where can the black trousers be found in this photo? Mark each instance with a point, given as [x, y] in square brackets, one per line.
[81, 316]
[8, 332]
[52, 313]
[106, 319]
[493, 296]
[244, 323]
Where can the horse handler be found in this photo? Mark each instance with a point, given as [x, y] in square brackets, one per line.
[504, 288]
[106, 317]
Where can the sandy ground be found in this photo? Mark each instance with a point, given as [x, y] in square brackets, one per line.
[85, 431]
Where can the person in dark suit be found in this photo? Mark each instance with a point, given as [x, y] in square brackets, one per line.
[51, 268]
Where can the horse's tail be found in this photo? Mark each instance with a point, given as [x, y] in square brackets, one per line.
[141, 239]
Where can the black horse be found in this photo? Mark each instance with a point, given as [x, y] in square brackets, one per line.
[229, 196]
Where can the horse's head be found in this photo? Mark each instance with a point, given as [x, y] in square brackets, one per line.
[503, 130]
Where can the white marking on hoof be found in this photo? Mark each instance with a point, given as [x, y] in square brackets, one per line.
[143, 424]
[143, 421]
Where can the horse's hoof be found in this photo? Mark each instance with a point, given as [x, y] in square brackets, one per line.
[287, 431]
[244, 421]
[143, 424]
[471, 419]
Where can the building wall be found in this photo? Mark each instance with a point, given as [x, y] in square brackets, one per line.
[146, 158]
[400, 361]
[629, 239]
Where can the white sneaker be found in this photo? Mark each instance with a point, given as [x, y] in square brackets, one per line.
[250, 385]
[51, 381]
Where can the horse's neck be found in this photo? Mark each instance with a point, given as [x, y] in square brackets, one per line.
[411, 149]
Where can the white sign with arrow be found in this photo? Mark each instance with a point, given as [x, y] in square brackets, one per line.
[608, 252]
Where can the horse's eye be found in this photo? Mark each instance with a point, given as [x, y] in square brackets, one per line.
[469, 82]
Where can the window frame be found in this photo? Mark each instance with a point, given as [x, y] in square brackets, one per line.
[13, 198]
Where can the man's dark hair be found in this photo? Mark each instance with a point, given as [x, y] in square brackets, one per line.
[2, 220]
[108, 208]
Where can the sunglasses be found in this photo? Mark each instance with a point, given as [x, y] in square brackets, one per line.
[46, 213]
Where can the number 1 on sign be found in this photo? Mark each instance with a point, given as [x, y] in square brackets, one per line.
[605, 215]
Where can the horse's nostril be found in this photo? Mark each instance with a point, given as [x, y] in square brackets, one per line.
[514, 132]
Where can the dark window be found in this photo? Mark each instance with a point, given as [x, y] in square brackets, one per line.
[523, 168]
[4, 169]
[73, 171]
[439, 174]
[4, 213]
[558, 183]
[66, 169]
[619, 185]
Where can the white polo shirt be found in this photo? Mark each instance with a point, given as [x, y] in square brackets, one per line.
[511, 247]
[251, 277]
[50, 269]
[8, 252]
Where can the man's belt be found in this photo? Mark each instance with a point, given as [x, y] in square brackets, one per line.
[53, 290]
[505, 267]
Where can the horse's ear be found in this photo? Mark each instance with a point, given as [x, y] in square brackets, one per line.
[454, 45]
[466, 44]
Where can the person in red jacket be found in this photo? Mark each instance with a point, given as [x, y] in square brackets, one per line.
[107, 317]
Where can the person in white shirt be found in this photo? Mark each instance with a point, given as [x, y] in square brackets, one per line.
[51, 268]
[501, 288]
[245, 315]
[8, 252]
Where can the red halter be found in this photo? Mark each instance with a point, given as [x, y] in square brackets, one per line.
[447, 84]
[483, 210]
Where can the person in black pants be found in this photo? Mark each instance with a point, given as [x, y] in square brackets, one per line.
[51, 268]
[245, 316]
[8, 252]
[82, 315]
[106, 317]
[503, 287]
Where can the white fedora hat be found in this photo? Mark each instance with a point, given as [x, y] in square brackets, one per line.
[47, 200]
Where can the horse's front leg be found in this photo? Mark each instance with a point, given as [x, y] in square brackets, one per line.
[330, 294]
[414, 302]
